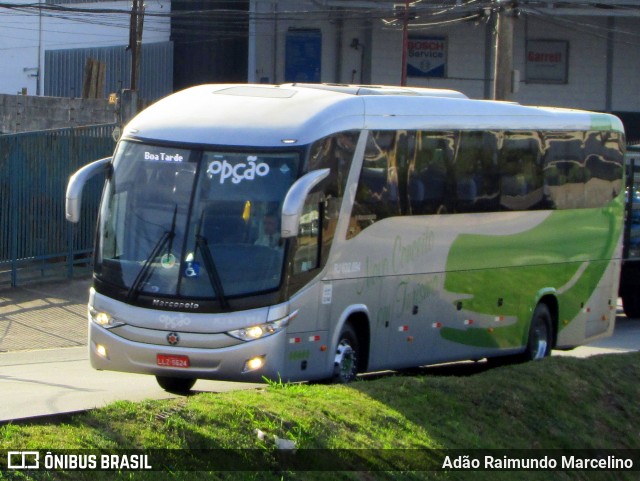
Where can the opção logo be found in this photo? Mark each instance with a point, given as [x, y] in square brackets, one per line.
[238, 172]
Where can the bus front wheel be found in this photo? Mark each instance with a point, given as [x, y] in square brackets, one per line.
[176, 385]
[346, 360]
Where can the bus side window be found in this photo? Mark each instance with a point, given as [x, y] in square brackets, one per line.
[378, 194]
[564, 169]
[521, 174]
[429, 174]
[602, 151]
[307, 253]
[320, 212]
[335, 153]
[476, 172]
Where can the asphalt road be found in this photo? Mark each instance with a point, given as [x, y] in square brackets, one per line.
[54, 381]
[626, 338]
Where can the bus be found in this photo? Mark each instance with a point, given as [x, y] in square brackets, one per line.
[412, 227]
[630, 275]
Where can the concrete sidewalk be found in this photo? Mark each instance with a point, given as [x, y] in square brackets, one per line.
[44, 316]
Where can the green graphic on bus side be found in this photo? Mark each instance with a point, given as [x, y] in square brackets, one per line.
[545, 256]
[606, 123]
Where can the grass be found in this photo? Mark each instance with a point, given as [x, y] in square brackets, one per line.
[558, 403]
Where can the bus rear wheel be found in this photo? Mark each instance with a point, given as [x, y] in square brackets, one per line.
[176, 385]
[346, 360]
[539, 343]
[540, 335]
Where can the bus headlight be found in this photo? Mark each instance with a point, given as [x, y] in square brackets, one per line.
[104, 319]
[262, 330]
[257, 332]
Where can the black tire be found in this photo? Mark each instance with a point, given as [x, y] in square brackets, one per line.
[540, 340]
[346, 361]
[176, 385]
[631, 304]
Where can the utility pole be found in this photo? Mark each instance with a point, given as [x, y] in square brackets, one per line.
[503, 71]
[135, 40]
[405, 43]
[128, 98]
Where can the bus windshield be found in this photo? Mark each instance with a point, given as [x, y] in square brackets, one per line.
[193, 224]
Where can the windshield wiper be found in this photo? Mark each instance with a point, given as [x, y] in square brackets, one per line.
[148, 266]
[210, 265]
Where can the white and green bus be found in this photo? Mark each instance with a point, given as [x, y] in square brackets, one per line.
[412, 227]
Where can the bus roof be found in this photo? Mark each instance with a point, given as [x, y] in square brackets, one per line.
[382, 90]
[297, 114]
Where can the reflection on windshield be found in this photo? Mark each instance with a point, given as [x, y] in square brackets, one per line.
[148, 265]
[146, 202]
[193, 224]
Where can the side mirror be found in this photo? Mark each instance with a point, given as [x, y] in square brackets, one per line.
[76, 184]
[294, 201]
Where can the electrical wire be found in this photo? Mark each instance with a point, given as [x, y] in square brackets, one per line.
[590, 29]
[229, 22]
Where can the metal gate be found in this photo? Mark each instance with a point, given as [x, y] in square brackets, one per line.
[36, 241]
[65, 70]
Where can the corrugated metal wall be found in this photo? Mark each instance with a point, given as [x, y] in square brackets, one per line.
[64, 70]
[36, 241]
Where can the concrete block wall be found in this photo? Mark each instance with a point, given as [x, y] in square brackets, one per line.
[21, 113]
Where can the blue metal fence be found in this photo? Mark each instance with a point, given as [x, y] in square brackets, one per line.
[36, 241]
[65, 70]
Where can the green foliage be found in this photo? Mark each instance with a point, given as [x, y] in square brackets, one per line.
[556, 403]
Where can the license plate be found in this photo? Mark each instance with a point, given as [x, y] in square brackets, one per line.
[171, 360]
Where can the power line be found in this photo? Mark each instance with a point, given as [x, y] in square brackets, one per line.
[594, 30]
[233, 23]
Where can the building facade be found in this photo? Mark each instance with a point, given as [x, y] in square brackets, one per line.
[45, 46]
[570, 54]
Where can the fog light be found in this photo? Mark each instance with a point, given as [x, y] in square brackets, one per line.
[101, 350]
[253, 364]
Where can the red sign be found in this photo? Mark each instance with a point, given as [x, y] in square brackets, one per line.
[171, 360]
[547, 61]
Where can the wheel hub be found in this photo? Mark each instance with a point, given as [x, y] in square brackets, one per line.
[345, 363]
